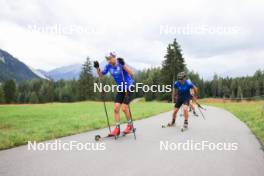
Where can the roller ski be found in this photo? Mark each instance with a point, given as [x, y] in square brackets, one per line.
[129, 129]
[114, 134]
[168, 125]
[172, 124]
[185, 126]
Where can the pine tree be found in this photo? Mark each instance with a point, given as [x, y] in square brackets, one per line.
[2, 95]
[172, 65]
[239, 93]
[10, 91]
[86, 81]
[214, 86]
[33, 98]
[233, 88]
[23, 91]
[219, 87]
[46, 92]
[257, 88]
[226, 91]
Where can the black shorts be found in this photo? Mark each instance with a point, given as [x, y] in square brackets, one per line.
[122, 98]
[182, 100]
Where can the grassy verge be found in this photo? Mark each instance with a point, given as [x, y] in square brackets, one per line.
[250, 112]
[22, 123]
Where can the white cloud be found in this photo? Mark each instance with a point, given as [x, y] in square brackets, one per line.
[132, 29]
[240, 63]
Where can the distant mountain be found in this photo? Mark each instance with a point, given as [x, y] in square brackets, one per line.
[43, 73]
[40, 73]
[67, 72]
[12, 68]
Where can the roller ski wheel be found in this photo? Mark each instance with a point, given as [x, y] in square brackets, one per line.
[127, 133]
[99, 138]
[168, 125]
[185, 127]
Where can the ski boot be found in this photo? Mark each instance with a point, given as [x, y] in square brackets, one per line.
[171, 124]
[128, 129]
[115, 132]
[185, 126]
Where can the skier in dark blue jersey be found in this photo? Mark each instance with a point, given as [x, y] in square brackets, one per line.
[122, 75]
[185, 90]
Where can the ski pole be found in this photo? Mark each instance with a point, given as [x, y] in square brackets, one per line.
[201, 112]
[103, 98]
[126, 97]
[199, 108]
[198, 104]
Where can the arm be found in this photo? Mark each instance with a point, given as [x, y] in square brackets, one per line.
[194, 91]
[175, 95]
[175, 92]
[129, 70]
[98, 70]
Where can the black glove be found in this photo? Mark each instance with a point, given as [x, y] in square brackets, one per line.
[96, 64]
[121, 61]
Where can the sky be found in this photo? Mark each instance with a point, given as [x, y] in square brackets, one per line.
[223, 37]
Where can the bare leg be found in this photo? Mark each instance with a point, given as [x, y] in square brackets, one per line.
[126, 111]
[185, 112]
[191, 105]
[116, 112]
[193, 108]
[174, 115]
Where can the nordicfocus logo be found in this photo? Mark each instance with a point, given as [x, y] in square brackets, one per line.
[132, 88]
[191, 145]
[58, 145]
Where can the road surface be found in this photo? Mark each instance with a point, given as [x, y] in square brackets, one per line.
[147, 155]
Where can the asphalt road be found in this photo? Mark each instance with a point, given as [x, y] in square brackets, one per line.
[146, 156]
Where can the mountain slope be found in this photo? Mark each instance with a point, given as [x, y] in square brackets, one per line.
[70, 72]
[39, 73]
[66, 72]
[12, 68]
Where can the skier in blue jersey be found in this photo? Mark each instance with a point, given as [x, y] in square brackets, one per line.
[122, 75]
[185, 90]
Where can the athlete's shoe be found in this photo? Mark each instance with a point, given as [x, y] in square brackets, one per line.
[115, 132]
[172, 123]
[128, 129]
[185, 125]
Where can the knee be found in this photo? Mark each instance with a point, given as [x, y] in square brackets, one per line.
[116, 109]
[185, 108]
[175, 111]
[124, 108]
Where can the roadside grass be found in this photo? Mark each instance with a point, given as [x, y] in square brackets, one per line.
[250, 112]
[22, 123]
